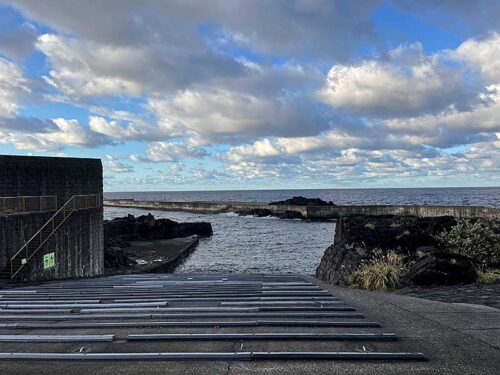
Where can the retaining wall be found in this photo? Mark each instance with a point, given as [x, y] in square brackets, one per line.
[79, 242]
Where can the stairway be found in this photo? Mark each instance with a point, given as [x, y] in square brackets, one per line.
[23, 256]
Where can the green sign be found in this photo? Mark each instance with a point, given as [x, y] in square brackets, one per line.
[49, 261]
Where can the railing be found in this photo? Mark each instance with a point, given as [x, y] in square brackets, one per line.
[27, 204]
[76, 202]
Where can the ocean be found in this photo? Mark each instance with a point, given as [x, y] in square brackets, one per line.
[247, 244]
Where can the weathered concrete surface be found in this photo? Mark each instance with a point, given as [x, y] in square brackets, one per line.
[157, 255]
[456, 339]
[459, 338]
[313, 212]
[78, 244]
[474, 294]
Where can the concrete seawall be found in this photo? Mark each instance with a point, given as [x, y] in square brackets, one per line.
[313, 212]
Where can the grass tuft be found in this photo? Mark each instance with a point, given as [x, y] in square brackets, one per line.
[382, 272]
[488, 276]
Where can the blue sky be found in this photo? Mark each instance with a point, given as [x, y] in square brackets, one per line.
[190, 95]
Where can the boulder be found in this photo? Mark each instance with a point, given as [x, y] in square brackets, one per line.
[358, 236]
[303, 201]
[439, 268]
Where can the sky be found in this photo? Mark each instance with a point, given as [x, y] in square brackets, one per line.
[237, 94]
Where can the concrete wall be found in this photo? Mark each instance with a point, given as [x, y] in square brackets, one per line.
[318, 212]
[78, 244]
[204, 207]
[315, 212]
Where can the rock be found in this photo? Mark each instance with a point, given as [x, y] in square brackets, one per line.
[442, 269]
[358, 236]
[263, 212]
[201, 229]
[146, 227]
[303, 201]
[259, 212]
[290, 215]
[114, 257]
[426, 249]
[406, 233]
[120, 231]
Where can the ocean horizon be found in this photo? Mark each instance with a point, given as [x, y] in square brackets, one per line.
[467, 196]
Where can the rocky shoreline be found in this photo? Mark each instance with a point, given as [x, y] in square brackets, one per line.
[129, 238]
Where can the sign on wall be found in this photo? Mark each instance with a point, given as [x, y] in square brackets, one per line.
[49, 261]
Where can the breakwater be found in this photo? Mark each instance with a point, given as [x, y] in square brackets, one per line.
[312, 212]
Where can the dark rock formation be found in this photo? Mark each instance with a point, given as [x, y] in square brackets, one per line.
[439, 268]
[290, 215]
[303, 201]
[120, 231]
[259, 212]
[262, 212]
[114, 257]
[357, 236]
[146, 227]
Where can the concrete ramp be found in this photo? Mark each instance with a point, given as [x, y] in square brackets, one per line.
[139, 323]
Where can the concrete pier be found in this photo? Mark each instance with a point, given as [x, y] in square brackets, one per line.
[313, 212]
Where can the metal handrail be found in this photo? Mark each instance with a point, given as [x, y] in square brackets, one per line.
[27, 204]
[76, 202]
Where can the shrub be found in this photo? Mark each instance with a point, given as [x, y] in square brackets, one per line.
[488, 276]
[473, 240]
[380, 273]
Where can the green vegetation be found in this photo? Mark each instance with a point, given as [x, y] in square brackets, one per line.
[382, 272]
[488, 276]
[472, 239]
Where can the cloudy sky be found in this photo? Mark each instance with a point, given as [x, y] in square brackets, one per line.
[230, 94]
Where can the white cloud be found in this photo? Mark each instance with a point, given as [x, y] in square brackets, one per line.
[212, 112]
[12, 85]
[137, 158]
[482, 117]
[317, 28]
[482, 54]
[136, 129]
[251, 76]
[407, 82]
[114, 165]
[353, 165]
[85, 68]
[61, 133]
[163, 151]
